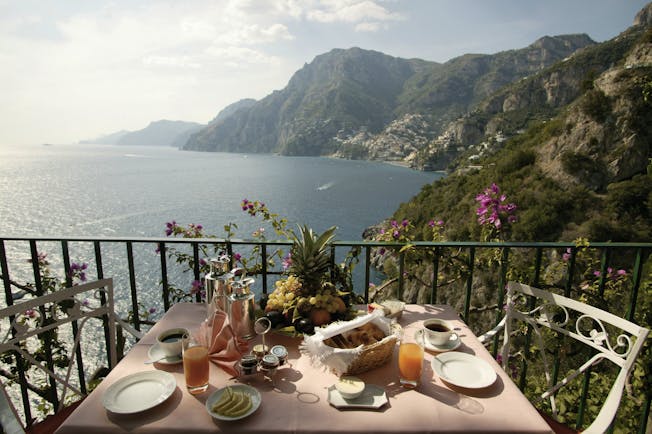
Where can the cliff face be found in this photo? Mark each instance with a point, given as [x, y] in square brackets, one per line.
[364, 104]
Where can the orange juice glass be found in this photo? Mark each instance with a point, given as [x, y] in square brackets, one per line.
[195, 366]
[410, 364]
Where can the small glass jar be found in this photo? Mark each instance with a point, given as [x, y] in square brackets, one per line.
[248, 364]
[260, 350]
[281, 352]
[269, 364]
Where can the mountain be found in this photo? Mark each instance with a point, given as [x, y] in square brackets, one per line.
[570, 146]
[339, 91]
[108, 139]
[158, 133]
[161, 133]
[344, 97]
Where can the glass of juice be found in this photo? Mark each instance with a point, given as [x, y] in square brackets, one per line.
[195, 365]
[410, 361]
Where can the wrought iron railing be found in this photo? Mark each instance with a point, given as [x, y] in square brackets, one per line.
[635, 255]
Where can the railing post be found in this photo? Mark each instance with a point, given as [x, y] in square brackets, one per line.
[4, 268]
[75, 327]
[367, 272]
[132, 284]
[636, 282]
[401, 279]
[502, 282]
[164, 276]
[195, 268]
[435, 275]
[105, 320]
[469, 284]
[263, 254]
[528, 335]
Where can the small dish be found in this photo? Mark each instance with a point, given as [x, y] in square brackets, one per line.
[139, 392]
[155, 353]
[463, 370]
[350, 387]
[373, 397]
[453, 343]
[254, 394]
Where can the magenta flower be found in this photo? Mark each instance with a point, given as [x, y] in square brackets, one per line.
[493, 210]
[152, 310]
[170, 227]
[196, 286]
[566, 256]
[287, 261]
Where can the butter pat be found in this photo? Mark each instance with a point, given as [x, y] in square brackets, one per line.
[350, 387]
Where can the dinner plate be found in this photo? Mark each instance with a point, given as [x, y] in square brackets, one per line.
[155, 353]
[139, 392]
[463, 370]
[372, 397]
[253, 393]
[452, 344]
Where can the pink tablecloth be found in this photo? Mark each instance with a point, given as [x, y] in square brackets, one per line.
[297, 400]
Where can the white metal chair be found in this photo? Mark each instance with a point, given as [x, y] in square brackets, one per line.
[27, 320]
[613, 338]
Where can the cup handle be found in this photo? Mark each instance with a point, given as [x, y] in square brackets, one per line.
[420, 338]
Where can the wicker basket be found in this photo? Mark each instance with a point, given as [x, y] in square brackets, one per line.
[351, 360]
[373, 356]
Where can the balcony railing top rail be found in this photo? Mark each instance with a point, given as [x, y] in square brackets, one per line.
[437, 291]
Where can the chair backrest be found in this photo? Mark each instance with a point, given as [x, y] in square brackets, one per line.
[612, 338]
[23, 325]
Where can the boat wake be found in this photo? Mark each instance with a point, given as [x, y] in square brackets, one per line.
[325, 186]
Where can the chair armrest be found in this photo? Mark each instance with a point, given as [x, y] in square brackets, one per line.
[486, 336]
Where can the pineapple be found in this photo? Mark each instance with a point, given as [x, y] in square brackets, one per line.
[311, 257]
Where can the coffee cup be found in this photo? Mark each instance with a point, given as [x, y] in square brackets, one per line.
[437, 331]
[170, 341]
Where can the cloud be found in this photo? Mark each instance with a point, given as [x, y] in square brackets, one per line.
[350, 11]
[254, 34]
[369, 27]
[236, 57]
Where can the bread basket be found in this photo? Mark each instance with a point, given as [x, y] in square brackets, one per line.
[353, 361]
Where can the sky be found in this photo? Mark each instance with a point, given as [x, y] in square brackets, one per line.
[73, 70]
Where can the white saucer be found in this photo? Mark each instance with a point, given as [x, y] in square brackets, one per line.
[154, 353]
[453, 343]
[372, 397]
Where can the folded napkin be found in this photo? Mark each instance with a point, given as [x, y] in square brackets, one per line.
[224, 348]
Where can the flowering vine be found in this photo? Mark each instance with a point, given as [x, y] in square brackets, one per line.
[494, 212]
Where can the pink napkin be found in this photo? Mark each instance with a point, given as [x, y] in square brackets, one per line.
[224, 348]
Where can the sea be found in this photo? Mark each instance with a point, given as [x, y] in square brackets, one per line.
[117, 191]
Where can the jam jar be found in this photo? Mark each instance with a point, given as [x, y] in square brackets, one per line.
[281, 352]
[269, 364]
[260, 350]
[248, 364]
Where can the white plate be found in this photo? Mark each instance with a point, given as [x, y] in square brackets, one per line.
[463, 370]
[373, 397]
[138, 392]
[215, 396]
[155, 353]
[453, 343]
